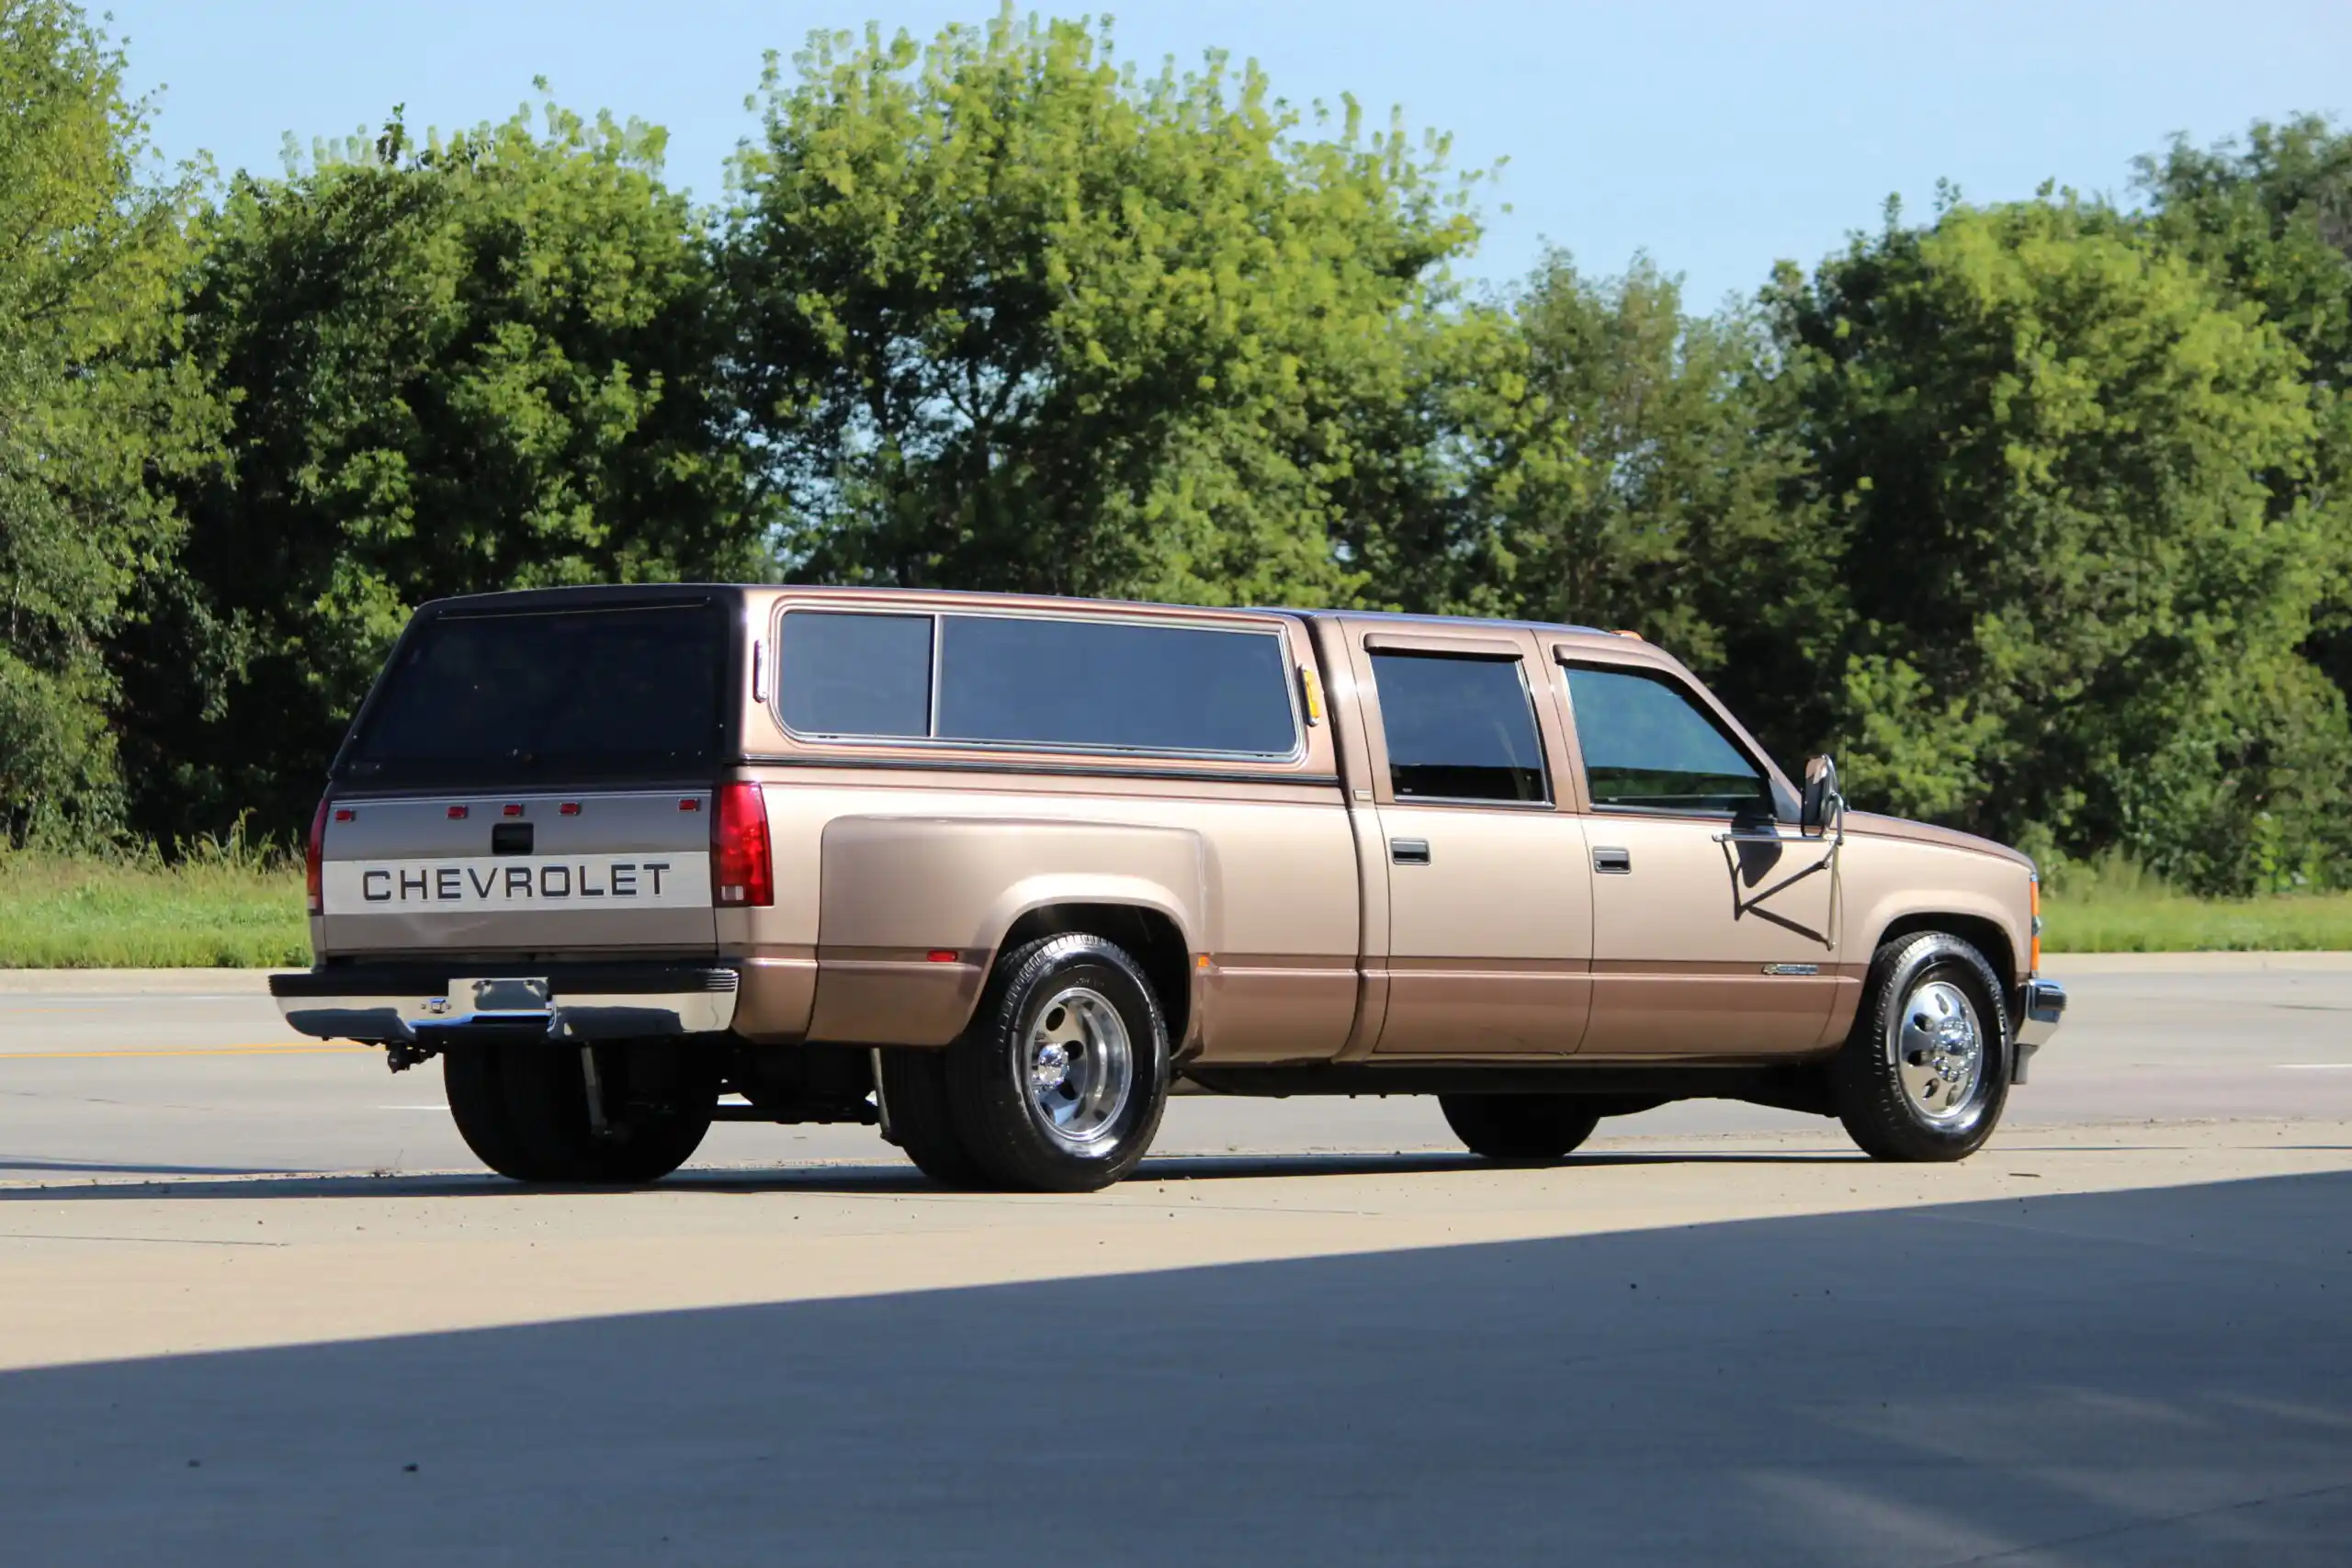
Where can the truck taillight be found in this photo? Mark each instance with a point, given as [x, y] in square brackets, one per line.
[742, 873]
[315, 857]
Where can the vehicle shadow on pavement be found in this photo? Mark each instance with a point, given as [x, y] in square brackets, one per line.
[832, 1178]
[2117, 1379]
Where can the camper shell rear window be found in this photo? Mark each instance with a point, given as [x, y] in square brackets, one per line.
[481, 699]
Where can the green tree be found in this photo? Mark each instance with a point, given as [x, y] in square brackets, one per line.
[93, 402]
[481, 363]
[1013, 316]
[1617, 462]
[2060, 469]
[2274, 217]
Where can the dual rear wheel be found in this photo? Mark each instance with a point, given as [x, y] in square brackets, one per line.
[1056, 1086]
[526, 1108]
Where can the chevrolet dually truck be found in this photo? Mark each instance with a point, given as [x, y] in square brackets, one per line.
[996, 874]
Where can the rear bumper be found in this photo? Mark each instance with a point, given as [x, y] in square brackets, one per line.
[414, 1003]
[2041, 1006]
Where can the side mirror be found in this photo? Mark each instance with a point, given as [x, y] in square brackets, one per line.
[1822, 805]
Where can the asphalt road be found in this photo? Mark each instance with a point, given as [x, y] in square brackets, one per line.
[1310, 1332]
[108, 1082]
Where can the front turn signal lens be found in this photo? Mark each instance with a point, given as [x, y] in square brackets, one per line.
[2033, 908]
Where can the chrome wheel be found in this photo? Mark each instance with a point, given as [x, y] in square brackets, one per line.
[1939, 1053]
[1081, 1068]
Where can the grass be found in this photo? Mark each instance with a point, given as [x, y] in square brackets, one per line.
[2159, 920]
[226, 906]
[231, 906]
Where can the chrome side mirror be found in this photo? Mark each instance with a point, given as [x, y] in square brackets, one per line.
[1823, 805]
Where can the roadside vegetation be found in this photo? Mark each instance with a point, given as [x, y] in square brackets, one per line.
[222, 905]
[2113, 905]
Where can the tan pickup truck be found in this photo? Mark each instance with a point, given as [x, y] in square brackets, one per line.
[999, 874]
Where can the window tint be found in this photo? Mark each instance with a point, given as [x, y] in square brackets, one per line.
[561, 695]
[1017, 681]
[1113, 683]
[1647, 744]
[1458, 728]
[846, 674]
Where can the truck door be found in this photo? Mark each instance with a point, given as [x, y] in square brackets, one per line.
[1490, 902]
[1715, 918]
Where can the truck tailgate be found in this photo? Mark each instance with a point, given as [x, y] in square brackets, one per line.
[514, 873]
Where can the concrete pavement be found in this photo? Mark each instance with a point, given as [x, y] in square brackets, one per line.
[1308, 1332]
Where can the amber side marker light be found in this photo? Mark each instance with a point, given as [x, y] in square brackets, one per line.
[2033, 906]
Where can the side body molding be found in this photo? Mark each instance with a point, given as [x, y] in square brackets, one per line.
[895, 892]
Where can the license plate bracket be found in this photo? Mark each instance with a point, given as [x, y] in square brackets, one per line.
[502, 996]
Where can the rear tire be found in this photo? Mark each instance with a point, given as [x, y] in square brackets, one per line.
[522, 1107]
[914, 1091]
[1519, 1129]
[1058, 1084]
[1925, 1074]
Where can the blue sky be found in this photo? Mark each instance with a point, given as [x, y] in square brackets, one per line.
[1717, 136]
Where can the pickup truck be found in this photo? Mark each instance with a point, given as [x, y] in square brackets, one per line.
[998, 874]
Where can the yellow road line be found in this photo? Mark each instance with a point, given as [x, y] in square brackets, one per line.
[189, 1050]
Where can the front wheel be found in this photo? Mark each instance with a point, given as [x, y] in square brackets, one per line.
[1058, 1084]
[523, 1106]
[1519, 1129]
[1925, 1071]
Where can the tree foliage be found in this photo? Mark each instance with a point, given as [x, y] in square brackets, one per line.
[1611, 461]
[2059, 468]
[91, 410]
[484, 362]
[1014, 316]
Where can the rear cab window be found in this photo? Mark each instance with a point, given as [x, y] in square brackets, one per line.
[561, 697]
[1459, 727]
[1036, 682]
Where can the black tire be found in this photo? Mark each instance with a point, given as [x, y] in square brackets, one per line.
[522, 1107]
[914, 1091]
[1519, 1129]
[1909, 979]
[1043, 987]
[471, 1077]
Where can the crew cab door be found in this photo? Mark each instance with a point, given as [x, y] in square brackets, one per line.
[1489, 896]
[1715, 918]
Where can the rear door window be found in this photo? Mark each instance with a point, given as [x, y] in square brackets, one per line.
[1037, 683]
[547, 696]
[1458, 727]
[1647, 745]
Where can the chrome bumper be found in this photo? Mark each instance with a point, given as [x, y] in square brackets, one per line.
[2041, 1006]
[407, 1004]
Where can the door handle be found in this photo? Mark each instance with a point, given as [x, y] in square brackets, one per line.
[1613, 863]
[1409, 852]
